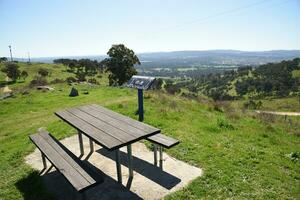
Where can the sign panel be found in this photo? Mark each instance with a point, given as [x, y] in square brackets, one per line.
[140, 82]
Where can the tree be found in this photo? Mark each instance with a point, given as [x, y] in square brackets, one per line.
[72, 66]
[43, 72]
[24, 75]
[120, 64]
[3, 59]
[158, 84]
[12, 71]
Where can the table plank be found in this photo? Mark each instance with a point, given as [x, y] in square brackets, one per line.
[131, 122]
[64, 167]
[112, 121]
[107, 128]
[66, 157]
[97, 135]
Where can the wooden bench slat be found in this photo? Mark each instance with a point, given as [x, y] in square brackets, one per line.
[112, 121]
[69, 172]
[96, 134]
[107, 128]
[163, 140]
[67, 158]
[131, 122]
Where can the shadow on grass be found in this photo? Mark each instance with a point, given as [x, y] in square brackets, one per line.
[32, 187]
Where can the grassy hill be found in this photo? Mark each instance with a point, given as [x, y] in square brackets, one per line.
[244, 155]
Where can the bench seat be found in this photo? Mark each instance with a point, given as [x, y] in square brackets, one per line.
[163, 140]
[72, 168]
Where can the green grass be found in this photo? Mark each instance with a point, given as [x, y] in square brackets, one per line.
[244, 156]
[296, 73]
[57, 71]
[288, 104]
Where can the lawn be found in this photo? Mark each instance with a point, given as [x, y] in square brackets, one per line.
[296, 73]
[243, 155]
[242, 158]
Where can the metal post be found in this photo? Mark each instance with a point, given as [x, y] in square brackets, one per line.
[129, 153]
[11, 59]
[118, 164]
[161, 157]
[44, 160]
[155, 154]
[91, 145]
[141, 106]
[80, 143]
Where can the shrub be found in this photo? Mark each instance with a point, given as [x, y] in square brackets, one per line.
[221, 106]
[157, 85]
[71, 79]
[80, 76]
[12, 71]
[189, 95]
[93, 81]
[55, 81]
[43, 72]
[253, 105]
[172, 89]
[224, 124]
[266, 118]
[24, 74]
[38, 80]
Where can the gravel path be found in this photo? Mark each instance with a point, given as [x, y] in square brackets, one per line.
[279, 113]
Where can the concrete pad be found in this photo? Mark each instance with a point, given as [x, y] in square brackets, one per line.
[149, 181]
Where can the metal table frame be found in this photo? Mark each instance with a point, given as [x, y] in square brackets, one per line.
[117, 154]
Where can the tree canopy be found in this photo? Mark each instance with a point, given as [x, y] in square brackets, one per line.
[12, 71]
[120, 64]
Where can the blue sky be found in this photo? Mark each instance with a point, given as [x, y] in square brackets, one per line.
[90, 27]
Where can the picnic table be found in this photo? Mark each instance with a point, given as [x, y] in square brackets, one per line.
[109, 129]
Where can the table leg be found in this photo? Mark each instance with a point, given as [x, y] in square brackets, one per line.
[129, 153]
[91, 145]
[44, 160]
[161, 157]
[118, 164]
[80, 142]
[155, 154]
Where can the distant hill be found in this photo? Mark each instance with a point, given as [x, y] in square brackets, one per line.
[215, 57]
[198, 58]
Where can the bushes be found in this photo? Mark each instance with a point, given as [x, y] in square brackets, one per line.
[93, 81]
[71, 79]
[55, 81]
[38, 80]
[12, 71]
[43, 72]
[157, 85]
[253, 105]
[80, 75]
[171, 88]
[224, 124]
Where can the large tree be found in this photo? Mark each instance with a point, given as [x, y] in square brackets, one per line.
[3, 59]
[12, 71]
[120, 64]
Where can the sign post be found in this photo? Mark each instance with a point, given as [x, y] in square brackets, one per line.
[141, 83]
[141, 105]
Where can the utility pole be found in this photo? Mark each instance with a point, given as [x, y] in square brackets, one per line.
[28, 57]
[11, 59]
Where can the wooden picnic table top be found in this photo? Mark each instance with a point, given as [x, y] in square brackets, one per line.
[107, 128]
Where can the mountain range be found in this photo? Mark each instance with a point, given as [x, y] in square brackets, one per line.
[198, 58]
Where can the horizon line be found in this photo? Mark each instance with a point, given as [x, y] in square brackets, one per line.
[150, 52]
